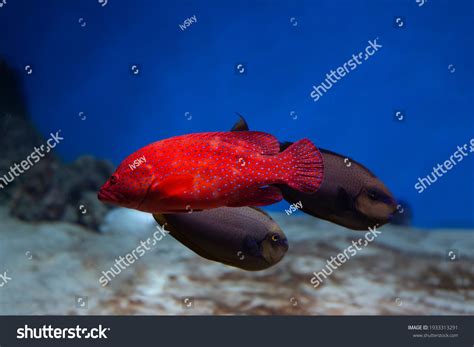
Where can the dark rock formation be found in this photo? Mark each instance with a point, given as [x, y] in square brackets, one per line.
[66, 192]
[18, 136]
[50, 190]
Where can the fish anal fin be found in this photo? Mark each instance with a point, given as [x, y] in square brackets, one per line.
[257, 197]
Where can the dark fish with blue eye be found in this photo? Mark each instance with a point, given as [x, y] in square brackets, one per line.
[350, 194]
[243, 237]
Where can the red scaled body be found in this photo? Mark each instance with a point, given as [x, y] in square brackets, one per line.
[209, 170]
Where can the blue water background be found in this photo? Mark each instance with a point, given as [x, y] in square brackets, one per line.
[89, 69]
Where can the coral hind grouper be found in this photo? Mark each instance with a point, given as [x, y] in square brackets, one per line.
[209, 170]
[350, 196]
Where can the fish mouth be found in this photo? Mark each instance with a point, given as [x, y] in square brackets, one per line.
[271, 258]
[105, 195]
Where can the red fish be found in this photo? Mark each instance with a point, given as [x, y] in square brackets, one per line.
[210, 170]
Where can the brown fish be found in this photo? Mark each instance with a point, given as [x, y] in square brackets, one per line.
[243, 237]
[350, 194]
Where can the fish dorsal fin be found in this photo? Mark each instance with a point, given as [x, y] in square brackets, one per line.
[259, 210]
[256, 141]
[265, 144]
[285, 145]
[241, 124]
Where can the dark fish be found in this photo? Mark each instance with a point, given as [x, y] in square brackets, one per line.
[350, 194]
[243, 237]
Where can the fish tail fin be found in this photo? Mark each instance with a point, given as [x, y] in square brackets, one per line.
[305, 166]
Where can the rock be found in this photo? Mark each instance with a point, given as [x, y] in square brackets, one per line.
[54, 191]
[50, 190]
[18, 136]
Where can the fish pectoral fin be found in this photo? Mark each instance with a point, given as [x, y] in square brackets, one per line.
[188, 242]
[183, 237]
[173, 186]
[251, 247]
[257, 197]
[344, 201]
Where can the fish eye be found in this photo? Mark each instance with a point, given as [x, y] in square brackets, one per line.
[373, 194]
[113, 179]
[275, 237]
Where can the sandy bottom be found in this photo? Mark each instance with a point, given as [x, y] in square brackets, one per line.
[403, 272]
